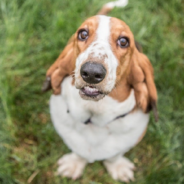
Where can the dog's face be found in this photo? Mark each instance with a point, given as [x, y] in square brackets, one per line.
[103, 48]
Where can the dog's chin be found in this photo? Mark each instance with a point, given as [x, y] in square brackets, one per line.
[91, 93]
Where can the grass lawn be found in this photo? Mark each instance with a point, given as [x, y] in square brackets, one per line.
[32, 34]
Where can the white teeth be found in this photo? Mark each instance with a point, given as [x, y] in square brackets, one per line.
[90, 89]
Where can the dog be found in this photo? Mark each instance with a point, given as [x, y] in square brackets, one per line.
[103, 92]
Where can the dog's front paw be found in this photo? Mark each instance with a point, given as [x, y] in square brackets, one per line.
[71, 166]
[120, 169]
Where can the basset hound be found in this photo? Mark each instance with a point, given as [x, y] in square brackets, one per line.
[103, 92]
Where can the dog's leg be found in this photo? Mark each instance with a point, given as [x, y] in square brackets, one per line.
[120, 168]
[71, 165]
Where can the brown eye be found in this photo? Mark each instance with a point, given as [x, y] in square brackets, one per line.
[83, 35]
[123, 42]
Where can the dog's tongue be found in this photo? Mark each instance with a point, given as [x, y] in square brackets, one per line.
[90, 91]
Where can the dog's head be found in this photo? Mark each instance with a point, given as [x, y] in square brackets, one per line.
[104, 48]
[102, 53]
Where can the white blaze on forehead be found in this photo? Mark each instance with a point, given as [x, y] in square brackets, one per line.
[103, 31]
[100, 46]
[104, 48]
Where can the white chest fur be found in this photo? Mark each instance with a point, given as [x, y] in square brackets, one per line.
[104, 137]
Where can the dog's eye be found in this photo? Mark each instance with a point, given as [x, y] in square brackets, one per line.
[123, 42]
[83, 35]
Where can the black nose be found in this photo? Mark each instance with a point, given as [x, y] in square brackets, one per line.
[92, 73]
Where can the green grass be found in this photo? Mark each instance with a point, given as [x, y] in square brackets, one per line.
[32, 34]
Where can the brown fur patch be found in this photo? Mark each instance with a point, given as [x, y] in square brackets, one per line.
[123, 55]
[104, 11]
[121, 91]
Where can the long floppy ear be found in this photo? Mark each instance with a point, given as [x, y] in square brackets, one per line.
[59, 69]
[65, 68]
[142, 80]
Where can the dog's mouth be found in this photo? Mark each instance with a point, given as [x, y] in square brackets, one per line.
[91, 93]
